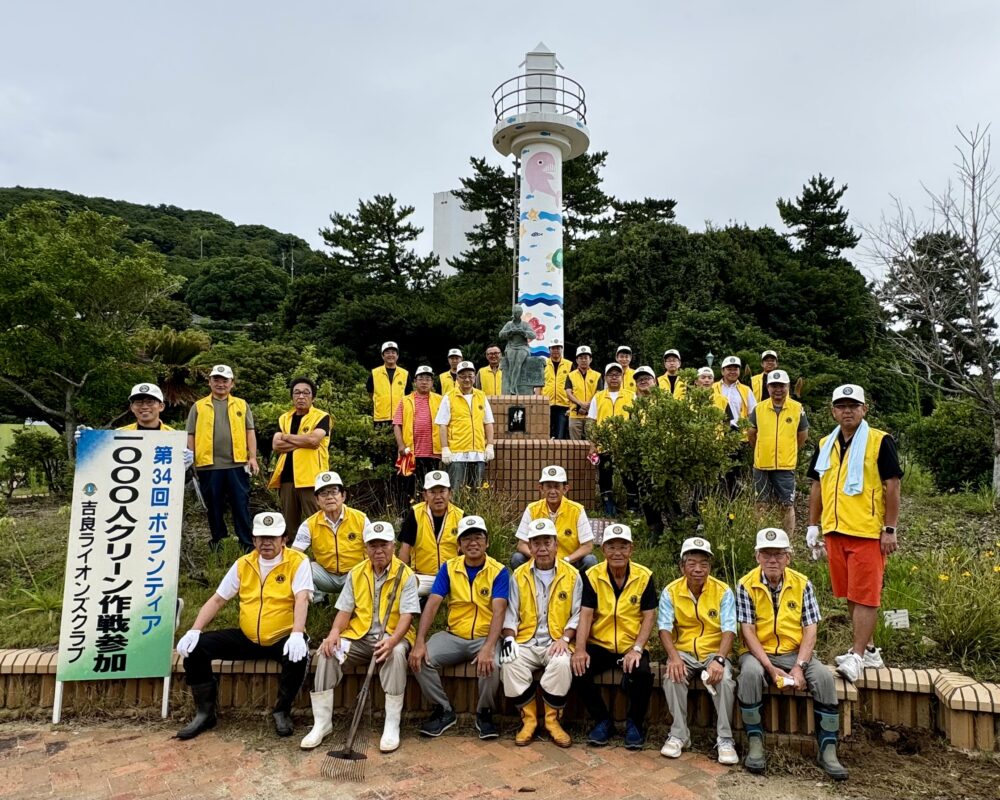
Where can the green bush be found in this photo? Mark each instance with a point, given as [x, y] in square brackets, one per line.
[955, 443]
[36, 455]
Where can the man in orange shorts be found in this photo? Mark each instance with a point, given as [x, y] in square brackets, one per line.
[855, 477]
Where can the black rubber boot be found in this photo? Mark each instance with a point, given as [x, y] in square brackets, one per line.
[283, 710]
[204, 717]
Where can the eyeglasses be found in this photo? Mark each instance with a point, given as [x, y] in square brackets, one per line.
[329, 492]
[772, 556]
[305, 393]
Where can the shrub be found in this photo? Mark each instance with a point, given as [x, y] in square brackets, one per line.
[955, 443]
[36, 454]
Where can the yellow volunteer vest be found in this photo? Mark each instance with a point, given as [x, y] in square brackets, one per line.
[337, 554]
[433, 403]
[617, 619]
[267, 608]
[777, 435]
[584, 389]
[466, 431]
[469, 605]
[860, 515]
[781, 633]
[429, 552]
[204, 429]
[385, 395]
[757, 387]
[566, 521]
[680, 387]
[560, 607]
[447, 382]
[606, 407]
[555, 382]
[135, 426]
[628, 380]
[307, 463]
[744, 394]
[491, 382]
[362, 579]
[697, 626]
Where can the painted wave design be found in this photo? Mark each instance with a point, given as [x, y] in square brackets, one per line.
[541, 299]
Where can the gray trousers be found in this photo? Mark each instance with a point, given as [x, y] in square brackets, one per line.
[445, 649]
[677, 698]
[324, 582]
[392, 672]
[466, 473]
[578, 429]
[753, 679]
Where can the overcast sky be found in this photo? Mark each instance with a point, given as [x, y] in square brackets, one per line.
[279, 113]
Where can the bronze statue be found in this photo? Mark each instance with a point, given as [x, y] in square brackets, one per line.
[521, 372]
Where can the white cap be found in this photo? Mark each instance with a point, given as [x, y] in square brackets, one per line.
[695, 545]
[268, 523]
[706, 371]
[777, 376]
[553, 473]
[437, 477]
[471, 523]
[767, 353]
[644, 370]
[772, 538]
[389, 346]
[454, 352]
[423, 369]
[849, 391]
[378, 532]
[731, 361]
[221, 369]
[623, 348]
[555, 341]
[583, 350]
[325, 479]
[613, 365]
[672, 352]
[541, 527]
[145, 390]
[465, 365]
[617, 531]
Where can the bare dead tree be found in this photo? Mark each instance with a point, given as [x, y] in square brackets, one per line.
[941, 276]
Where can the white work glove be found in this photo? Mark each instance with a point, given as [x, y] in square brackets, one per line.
[446, 456]
[508, 650]
[188, 457]
[188, 642]
[490, 452]
[812, 535]
[295, 647]
[80, 429]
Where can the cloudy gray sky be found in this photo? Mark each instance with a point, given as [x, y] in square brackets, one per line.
[279, 113]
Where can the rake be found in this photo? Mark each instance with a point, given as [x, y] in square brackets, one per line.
[348, 763]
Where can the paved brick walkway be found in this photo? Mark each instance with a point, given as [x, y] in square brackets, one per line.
[129, 761]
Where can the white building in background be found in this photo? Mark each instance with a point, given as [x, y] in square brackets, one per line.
[452, 225]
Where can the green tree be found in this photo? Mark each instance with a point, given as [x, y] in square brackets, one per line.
[584, 201]
[237, 289]
[75, 291]
[171, 354]
[818, 221]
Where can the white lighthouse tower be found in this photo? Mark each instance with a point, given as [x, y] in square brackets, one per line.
[541, 118]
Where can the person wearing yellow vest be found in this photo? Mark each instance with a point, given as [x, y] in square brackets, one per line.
[477, 588]
[737, 401]
[582, 384]
[614, 400]
[760, 381]
[645, 380]
[357, 634]
[387, 385]
[221, 433]
[273, 584]
[428, 536]
[617, 612]
[778, 615]
[302, 443]
[539, 628]
[670, 381]
[145, 401]
[490, 377]
[697, 623]
[623, 355]
[448, 378]
[778, 428]
[335, 534]
[465, 425]
[574, 536]
[557, 370]
[414, 428]
[854, 495]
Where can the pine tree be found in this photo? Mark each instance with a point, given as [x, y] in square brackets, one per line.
[818, 221]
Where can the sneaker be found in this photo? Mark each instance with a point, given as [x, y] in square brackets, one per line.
[673, 747]
[485, 725]
[439, 721]
[634, 737]
[872, 657]
[727, 751]
[601, 732]
[851, 668]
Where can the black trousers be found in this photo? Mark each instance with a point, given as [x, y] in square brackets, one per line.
[231, 644]
[414, 484]
[606, 477]
[637, 685]
[558, 422]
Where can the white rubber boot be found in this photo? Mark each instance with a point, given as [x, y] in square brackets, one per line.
[390, 733]
[322, 703]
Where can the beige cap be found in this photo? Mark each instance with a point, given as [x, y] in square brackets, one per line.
[378, 532]
[777, 376]
[471, 523]
[731, 361]
[672, 352]
[613, 365]
[617, 531]
[553, 473]
[772, 538]
[437, 477]
[541, 527]
[644, 370]
[389, 346]
[695, 545]
[464, 365]
[145, 390]
[454, 352]
[583, 350]
[222, 370]
[423, 369]
[325, 479]
[268, 523]
[849, 391]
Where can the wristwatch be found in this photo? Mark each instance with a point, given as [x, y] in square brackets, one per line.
[566, 639]
[719, 660]
[802, 665]
[637, 649]
[890, 529]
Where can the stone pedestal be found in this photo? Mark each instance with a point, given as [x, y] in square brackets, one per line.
[519, 462]
[536, 416]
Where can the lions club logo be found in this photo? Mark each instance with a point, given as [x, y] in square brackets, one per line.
[563, 595]
[326, 477]
[770, 536]
[144, 388]
[268, 520]
[551, 471]
[712, 613]
[848, 390]
[437, 475]
[568, 532]
[788, 420]
[540, 525]
[792, 605]
[280, 579]
[352, 536]
[634, 599]
[698, 542]
[484, 592]
[378, 527]
[616, 529]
